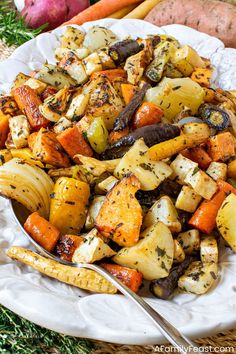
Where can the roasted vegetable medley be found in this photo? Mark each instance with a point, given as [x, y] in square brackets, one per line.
[124, 154]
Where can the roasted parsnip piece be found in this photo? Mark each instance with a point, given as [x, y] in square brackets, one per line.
[82, 278]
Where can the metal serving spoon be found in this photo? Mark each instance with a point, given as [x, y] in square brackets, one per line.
[182, 343]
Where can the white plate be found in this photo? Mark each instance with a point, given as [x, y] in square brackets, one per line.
[112, 318]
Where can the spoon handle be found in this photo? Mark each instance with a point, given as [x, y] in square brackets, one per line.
[182, 343]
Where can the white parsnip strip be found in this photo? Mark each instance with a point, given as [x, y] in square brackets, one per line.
[82, 278]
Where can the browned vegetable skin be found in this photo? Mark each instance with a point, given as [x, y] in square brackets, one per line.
[164, 288]
[125, 116]
[152, 134]
[120, 51]
[8, 106]
[120, 217]
[47, 149]
[28, 101]
[67, 245]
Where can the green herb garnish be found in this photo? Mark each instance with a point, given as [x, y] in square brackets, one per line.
[19, 336]
[14, 29]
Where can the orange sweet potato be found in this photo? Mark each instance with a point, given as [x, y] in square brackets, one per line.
[130, 277]
[120, 216]
[4, 128]
[74, 143]
[28, 101]
[67, 245]
[147, 114]
[110, 74]
[47, 149]
[128, 92]
[221, 146]
[44, 233]
[210, 16]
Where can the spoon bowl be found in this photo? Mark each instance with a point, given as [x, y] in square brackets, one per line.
[182, 343]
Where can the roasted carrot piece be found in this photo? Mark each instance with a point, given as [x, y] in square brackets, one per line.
[111, 74]
[67, 245]
[120, 216]
[74, 143]
[147, 114]
[204, 218]
[225, 187]
[221, 146]
[28, 101]
[47, 149]
[114, 136]
[130, 277]
[199, 155]
[44, 233]
[128, 92]
[202, 76]
[4, 128]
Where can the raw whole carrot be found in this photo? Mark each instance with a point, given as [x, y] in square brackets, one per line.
[147, 114]
[128, 92]
[114, 136]
[42, 231]
[210, 16]
[73, 142]
[143, 9]
[101, 9]
[130, 277]
[111, 74]
[121, 13]
[28, 101]
[200, 156]
[204, 218]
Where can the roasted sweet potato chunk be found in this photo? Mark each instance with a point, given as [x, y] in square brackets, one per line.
[47, 149]
[74, 143]
[120, 216]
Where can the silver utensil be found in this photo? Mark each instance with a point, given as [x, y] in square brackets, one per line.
[181, 342]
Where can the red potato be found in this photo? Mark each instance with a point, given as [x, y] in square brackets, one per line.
[210, 16]
[53, 12]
